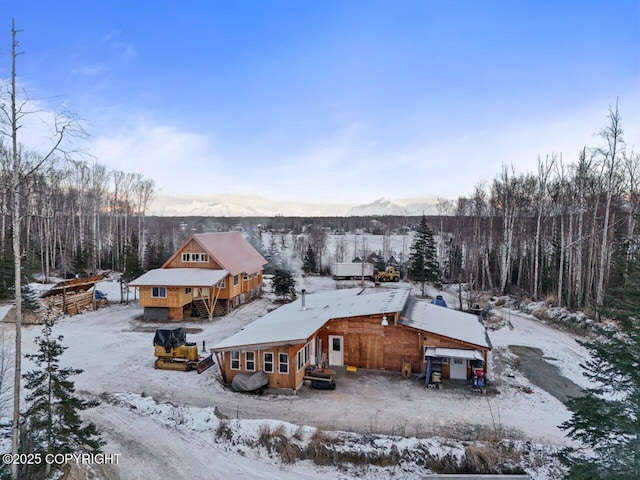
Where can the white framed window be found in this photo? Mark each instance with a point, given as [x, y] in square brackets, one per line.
[303, 357]
[300, 359]
[245, 277]
[458, 361]
[283, 363]
[187, 290]
[235, 359]
[236, 280]
[312, 351]
[186, 257]
[250, 361]
[158, 292]
[222, 283]
[267, 362]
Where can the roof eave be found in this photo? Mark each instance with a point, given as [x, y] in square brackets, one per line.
[260, 346]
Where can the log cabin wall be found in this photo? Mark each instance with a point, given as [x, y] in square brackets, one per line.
[367, 344]
[370, 345]
[293, 379]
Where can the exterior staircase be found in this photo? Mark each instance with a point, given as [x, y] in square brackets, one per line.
[201, 305]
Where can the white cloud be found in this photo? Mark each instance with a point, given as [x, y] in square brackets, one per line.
[90, 70]
[178, 161]
[346, 167]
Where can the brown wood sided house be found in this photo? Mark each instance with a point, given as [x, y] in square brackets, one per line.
[210, 274]
[371, 329]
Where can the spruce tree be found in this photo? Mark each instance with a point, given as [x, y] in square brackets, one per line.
[606, 419]
[309, 262]
[423, 266]
[52, 423]
[283, 282]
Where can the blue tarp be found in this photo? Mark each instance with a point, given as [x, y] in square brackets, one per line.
[439, 301]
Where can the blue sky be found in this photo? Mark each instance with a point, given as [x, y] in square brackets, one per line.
[340, 101]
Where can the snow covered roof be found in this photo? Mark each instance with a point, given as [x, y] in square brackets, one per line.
[230, 249]
[179, 277]
[446, 322]
[291, 324]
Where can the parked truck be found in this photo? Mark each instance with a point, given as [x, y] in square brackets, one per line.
[353, 271]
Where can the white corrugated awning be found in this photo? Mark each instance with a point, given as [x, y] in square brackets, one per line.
[179, 277]
[454, 353]
[459, 353]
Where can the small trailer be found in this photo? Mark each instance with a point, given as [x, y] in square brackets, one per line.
[353, 271]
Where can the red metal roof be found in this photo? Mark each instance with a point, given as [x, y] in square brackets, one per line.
[231, 250]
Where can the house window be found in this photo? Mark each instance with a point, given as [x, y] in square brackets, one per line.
[267, 363]
[283, 363]
[195, 257]
[221, 284]
[250, 361]
[158, 292]
[236, 280]
[303, 356]
[235, 359]
[187, 290]
[300, 359]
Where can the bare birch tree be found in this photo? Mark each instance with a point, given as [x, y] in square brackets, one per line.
[11, 121]
[611, 154]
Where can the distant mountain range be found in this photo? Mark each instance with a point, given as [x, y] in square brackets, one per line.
[253, 206]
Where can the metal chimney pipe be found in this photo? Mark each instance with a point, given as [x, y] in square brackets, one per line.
[303, 291]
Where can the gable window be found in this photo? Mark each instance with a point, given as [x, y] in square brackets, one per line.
[267, 362]
[236, 280]
[283, 363]
[195, 257]
[250, 361]
[235, 359]
[158, 292]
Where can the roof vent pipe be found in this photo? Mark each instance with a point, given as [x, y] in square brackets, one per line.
[303, 291]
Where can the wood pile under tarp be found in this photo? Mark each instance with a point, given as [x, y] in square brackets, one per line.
[73, 296]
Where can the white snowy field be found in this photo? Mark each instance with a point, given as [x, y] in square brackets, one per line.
[163, 422]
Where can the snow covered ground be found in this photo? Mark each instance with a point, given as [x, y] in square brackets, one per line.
[164, 423]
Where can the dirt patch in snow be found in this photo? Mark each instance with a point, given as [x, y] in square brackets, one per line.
[535, 367]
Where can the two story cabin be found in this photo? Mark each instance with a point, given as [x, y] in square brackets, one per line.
[210, 274]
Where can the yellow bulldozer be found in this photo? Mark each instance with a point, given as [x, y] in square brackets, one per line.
[173, 352]
[390, 274]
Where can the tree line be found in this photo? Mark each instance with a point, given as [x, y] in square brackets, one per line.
[77, 218]
[564, 232]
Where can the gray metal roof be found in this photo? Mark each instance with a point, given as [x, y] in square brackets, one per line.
[291, 324]
[179, 277]
[446, 322]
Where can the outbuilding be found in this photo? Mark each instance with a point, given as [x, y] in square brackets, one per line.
[377, 329]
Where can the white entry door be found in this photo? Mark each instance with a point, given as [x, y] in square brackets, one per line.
[458, 368]
[336, 347]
